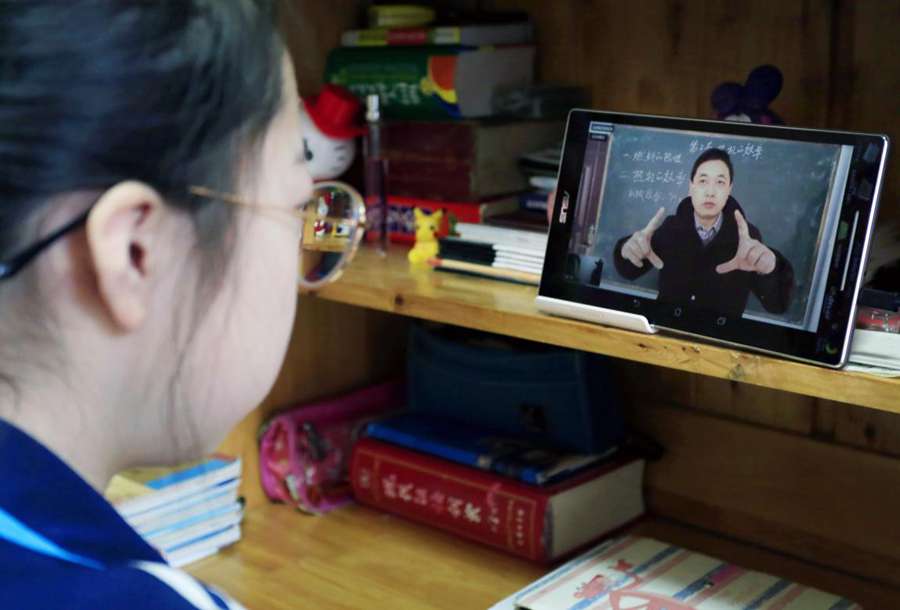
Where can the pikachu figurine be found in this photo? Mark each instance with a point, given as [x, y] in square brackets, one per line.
[426, 243]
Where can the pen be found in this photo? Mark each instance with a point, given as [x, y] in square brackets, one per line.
[376, 173]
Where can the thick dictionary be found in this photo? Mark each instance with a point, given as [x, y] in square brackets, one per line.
[538, 523]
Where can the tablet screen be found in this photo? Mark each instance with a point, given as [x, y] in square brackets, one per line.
[736, 232]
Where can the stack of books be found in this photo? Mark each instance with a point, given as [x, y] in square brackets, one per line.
[446, 68]
[511, 244]
[188, 511]
[467, 168]
[875, 347]
[638, 573]
[541, 166]
[445, 144]
[513, 253]
[534, 501]
[385, 16]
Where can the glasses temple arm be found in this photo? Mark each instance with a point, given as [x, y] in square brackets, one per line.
[12, 266]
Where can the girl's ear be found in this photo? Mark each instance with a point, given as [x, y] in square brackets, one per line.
[123, 236]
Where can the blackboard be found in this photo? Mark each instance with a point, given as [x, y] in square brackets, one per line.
[783, 187]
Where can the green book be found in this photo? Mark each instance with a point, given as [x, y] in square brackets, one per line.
[431, 82]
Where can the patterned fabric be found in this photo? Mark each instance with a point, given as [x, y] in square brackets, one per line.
[62, 545]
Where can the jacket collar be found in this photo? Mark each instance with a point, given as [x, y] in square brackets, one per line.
[685, 211]
[44, 493]
[727, 233]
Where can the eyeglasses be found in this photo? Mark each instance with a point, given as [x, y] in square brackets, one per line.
[333, 220]
[14, 265]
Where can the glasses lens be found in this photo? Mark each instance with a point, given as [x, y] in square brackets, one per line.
[331, 232]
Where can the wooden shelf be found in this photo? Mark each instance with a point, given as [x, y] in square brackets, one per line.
[391, 284]
[360, 558]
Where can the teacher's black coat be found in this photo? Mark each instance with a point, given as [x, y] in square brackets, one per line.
[689, 272]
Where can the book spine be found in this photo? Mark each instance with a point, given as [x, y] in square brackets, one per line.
[383, 37]
[486, 271]
[433, 446]
[510, 33]
[533, 201]
[436, 141]
[390, 37]
[435, 180]
[447, 181]
[528, 241]
[470, 503]
[400, 15]
[413, 82]
[402, 222]
[383, 431]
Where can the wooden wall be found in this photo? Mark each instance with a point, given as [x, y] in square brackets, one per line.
[812, 478]
[334, 349]
[838, 57]
[808, 477]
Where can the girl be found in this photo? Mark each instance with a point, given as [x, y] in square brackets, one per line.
[140, 321]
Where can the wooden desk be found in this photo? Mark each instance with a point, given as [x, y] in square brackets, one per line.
[361, 558]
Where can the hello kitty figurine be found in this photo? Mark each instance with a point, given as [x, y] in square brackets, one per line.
[329, 127]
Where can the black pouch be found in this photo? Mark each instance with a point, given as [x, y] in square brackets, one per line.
[543, 393]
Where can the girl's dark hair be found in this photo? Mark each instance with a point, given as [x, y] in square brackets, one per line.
[714, 154]
[166, 92]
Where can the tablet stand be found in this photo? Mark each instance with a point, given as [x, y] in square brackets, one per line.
[602, 315]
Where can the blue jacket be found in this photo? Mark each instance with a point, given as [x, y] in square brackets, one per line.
[63, 546]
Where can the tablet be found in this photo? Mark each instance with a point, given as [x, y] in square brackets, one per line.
[749, 235]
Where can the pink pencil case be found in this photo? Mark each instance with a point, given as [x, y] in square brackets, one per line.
[304, 450]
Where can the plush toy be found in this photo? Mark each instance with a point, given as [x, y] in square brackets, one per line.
[329, 127]
[426, 243]
[750, 102]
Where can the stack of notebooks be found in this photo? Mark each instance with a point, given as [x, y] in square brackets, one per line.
[187, 512]
[501, 252]
[876, 352]
[875, 348]
[536, 502]
[509, 244]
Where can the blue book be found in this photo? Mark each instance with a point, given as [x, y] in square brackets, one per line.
[480, 448]
[147, 492]
[533, 201]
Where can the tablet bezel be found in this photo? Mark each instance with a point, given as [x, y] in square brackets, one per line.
[829, 345]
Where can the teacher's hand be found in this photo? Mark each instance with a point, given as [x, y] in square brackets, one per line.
[638, 248]
[752, 254]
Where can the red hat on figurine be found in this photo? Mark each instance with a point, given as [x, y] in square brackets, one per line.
[334, 112]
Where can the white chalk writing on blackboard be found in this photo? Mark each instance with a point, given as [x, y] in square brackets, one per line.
[651, 156]
[651, 195]
[659, 176]
[748, 150]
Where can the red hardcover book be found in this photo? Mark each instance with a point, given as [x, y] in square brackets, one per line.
[538, 523]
